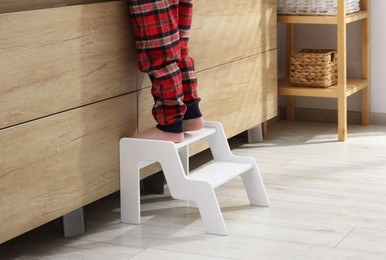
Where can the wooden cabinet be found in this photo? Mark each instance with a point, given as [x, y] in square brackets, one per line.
[345, 86]
[67, 95]
[70, 89]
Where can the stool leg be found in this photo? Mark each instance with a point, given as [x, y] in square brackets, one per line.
[255, 187]
[210, 210]
[130, 198]
[184, 156]
[130, 187]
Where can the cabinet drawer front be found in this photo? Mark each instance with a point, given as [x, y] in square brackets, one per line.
[57, 59]
[56, 164]
[225, 31]
[7, 6]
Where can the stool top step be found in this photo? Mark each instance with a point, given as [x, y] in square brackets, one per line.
[193, 136]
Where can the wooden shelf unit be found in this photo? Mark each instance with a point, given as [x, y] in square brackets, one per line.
[345, 87]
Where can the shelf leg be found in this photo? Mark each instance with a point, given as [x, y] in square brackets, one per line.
[290, 47]
[365, 106]
[365, 65]
[342, 71]
[342, 120]
[290, 108]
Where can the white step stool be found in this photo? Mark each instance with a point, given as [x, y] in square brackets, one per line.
[195, 186]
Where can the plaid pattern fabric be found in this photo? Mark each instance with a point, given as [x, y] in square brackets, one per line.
[161, 31]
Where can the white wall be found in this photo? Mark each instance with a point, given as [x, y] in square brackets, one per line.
[324, 36]
[378, 55]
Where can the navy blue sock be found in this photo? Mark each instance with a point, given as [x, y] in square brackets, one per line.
[192, 110]
[173, 128]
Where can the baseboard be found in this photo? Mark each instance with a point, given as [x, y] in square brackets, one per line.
[331, 116]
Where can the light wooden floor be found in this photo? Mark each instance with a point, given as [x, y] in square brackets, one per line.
[328, 202]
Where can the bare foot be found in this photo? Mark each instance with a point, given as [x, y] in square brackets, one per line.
[193, 124]
[156, 134]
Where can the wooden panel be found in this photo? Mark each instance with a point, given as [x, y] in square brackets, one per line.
[55, 59]
[54, 165]
[225, 31]
[7, 6]
[239, 94]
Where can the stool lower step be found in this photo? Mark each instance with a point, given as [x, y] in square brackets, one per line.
[219, 172]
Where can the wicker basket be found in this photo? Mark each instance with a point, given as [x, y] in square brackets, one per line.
[315, 7]
[314, 68]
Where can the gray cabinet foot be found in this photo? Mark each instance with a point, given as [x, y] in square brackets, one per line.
[255, 134]
[73, 223]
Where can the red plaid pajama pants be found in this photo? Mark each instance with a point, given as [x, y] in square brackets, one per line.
[161, 31]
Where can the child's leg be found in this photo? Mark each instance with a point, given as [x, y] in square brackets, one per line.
[155, 26]
[192, 119]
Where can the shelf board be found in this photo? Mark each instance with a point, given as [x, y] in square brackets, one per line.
[319, 19]
[353, 86]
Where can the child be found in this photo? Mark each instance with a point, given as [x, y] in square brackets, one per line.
[161, 31]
